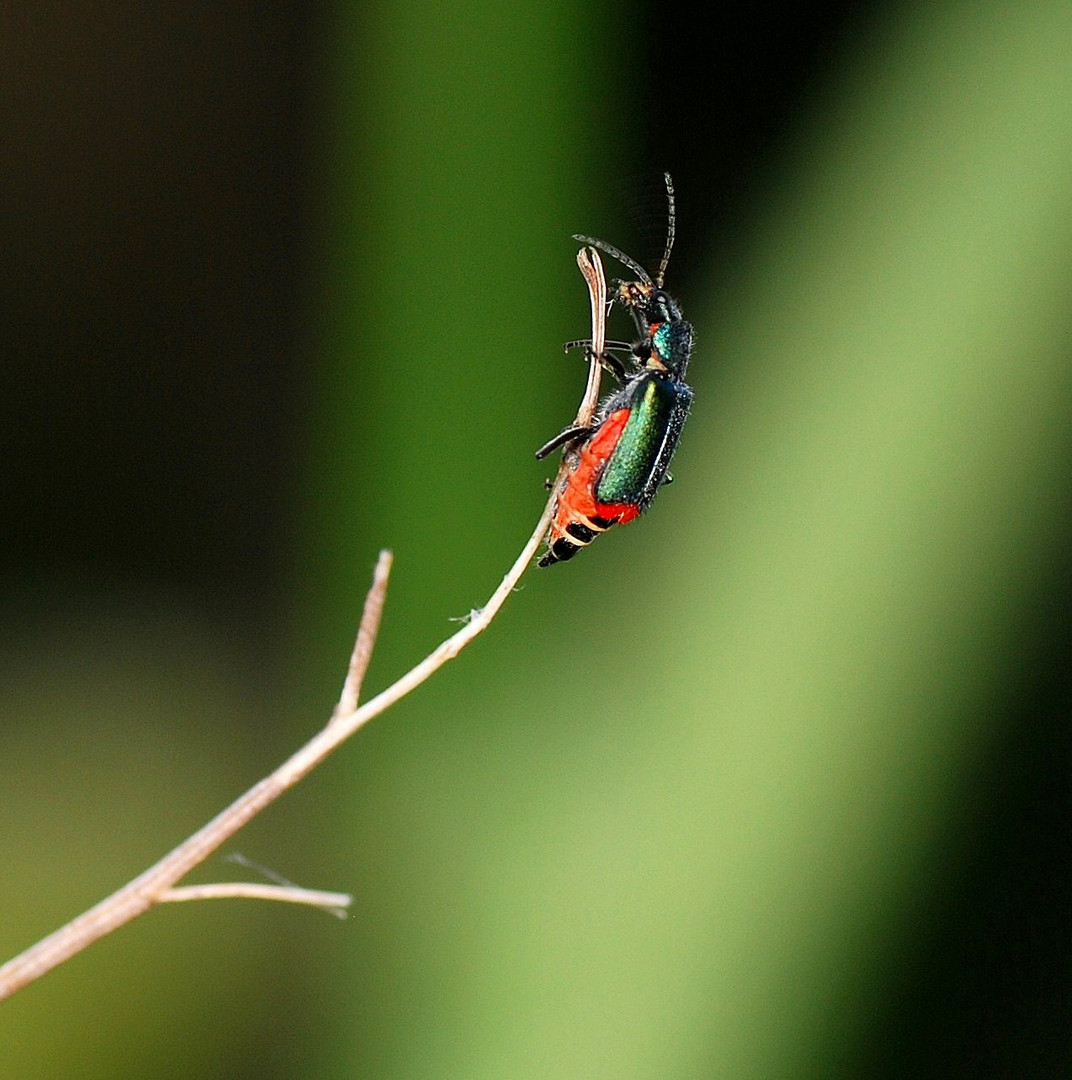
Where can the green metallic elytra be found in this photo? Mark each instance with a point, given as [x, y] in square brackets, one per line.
[658, 407]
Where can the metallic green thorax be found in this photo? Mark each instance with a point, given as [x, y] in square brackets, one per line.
[639, 462]
[672, 343]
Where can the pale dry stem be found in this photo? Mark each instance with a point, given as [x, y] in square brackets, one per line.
[157, 884]
[335, 903]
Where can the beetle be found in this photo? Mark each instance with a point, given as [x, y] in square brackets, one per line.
[617, 465]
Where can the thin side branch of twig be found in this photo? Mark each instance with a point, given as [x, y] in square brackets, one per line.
[157, 883]
[366, 637]
[335, 903]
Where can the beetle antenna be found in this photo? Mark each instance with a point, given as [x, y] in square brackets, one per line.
[671, 229]
[615, 253]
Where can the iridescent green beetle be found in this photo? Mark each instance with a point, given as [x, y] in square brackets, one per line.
[619, 463]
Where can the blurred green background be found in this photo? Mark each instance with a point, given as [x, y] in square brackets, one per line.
[773, 783]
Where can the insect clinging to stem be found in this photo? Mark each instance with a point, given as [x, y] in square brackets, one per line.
[618, 463]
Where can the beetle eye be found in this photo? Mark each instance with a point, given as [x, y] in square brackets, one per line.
[664, 307]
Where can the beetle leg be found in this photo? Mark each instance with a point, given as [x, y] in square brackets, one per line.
[607, 359]
[561, 439]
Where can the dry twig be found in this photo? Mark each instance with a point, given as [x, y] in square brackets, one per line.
[157, 884]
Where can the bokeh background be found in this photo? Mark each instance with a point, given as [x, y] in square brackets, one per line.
[773, 783]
